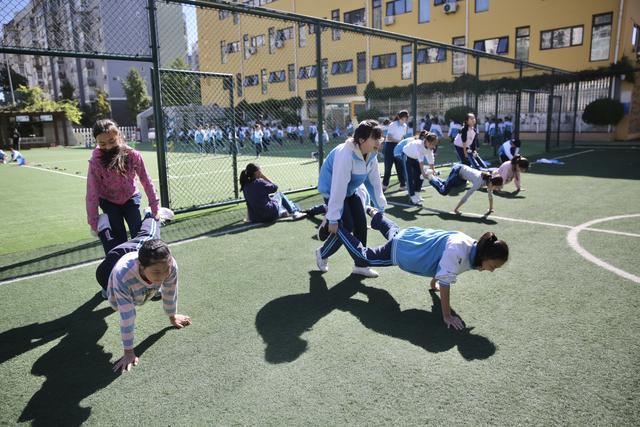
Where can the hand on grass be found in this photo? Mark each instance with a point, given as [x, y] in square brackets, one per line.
[333, 228]
[180, 320]
[127, 362]
[453, 321]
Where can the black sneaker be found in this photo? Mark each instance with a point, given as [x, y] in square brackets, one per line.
[157, 296]
[371, 211]
[323, 230]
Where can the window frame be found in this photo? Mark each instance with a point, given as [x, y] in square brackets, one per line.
[500, 38]
[476, 7]
[454, 53]
[375, 8]
[359, 69]
[348, 13]
[339, 64]
[264, 79]
[571, 27]
[406, 50]
[515, 46]
[335, 32]
[439, 57]
[593, 28]
[280, 76]
[291, 76]
[386, 67]
[393, 3]
[421, 3]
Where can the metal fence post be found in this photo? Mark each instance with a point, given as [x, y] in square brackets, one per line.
[547, 141]
[575, 113]
[157, 106]
[319, 99]
[475, 104]
[495, 116]
[233, 143]
[414, 91]
[516, 131]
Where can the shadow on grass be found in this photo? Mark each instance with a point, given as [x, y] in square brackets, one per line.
[282, 322]
[74, 369]
[400, 211]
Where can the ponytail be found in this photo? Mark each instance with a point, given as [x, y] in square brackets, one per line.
[247, 176]
[521, 162]
[489, 247]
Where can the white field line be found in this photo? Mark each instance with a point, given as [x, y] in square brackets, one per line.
[574, 154]
[85, 264]
[68, 174]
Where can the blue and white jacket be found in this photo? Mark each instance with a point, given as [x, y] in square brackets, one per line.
[433, 253]
[343, 171]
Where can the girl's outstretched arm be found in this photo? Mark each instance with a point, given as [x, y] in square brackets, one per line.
[449, 319]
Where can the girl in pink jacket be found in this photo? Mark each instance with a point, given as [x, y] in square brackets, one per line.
[111, 185]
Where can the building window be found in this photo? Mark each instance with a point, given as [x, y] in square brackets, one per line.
[302, 34]
[263, 80]
[499, 45]
[246, 47]
[432, 55]
[251, 80]
[307, 72]
[458, 60]
[223, 14]
[407, 62]
[236, 18]
[362, 67]
[335, 32]
[561, 37]
[376, 6]
[325, 72]
[239, 84]
[223, 52]
[272, 40]
[356, 17]
[257, 41]
[482, 5]
[398, 7]
[342, 67]
[388, 60]
[292, 77]
[424, 11]
[522, 43]
[277, 76]
[601, 37]
[439, 2]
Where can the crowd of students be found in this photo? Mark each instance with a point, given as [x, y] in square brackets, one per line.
[139, 267]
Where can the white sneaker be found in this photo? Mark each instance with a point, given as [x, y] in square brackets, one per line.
[365, 271]
[416, 200]
[103, 222]
[165, 214]
[429, 174]
[298, 215]
[402, 187]
[323, 263]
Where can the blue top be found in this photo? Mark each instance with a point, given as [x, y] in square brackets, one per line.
[397, 151]
[433, 253]
[260, 206]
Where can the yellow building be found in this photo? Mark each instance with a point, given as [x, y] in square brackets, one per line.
[276, 59]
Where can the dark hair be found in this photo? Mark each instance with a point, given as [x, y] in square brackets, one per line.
[435, 121]
[116, 158]
[367, 129]
[153, 251]
[104, 126]
[470, 114]
[516, 142]
[428, 136]
[489, 247]
[402, 114]
[493, 179]
[247, 175]
[521, 162]
[386, 122]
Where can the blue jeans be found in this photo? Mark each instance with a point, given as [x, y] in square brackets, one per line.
[389, 161]
[453, 180]
[118, 214]
[379, 256]
[354, 221]
[284, 204]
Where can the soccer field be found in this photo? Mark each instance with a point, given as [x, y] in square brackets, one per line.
[551, 338]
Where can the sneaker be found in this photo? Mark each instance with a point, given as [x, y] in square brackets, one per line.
[402, 187]
[371, 211]
[429, 174]
[157, 296]
[384, 188]
[103, 292]
[323, 230]
[298, 215]
[416, 200]
[322, 263]
[165, 214]
[103, 222]
[365, 271]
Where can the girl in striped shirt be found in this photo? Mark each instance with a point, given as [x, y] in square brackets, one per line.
[442, 255]
[111, 183]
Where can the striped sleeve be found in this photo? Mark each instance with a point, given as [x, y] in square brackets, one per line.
[170, 292]
[125, 305]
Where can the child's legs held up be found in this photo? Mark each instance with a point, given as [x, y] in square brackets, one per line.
[362, 256]
[353, 220]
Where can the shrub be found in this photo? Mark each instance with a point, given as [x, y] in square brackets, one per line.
[603, 112]
[457, 114]
[370, 114]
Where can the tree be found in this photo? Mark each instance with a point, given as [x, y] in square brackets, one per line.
[102, 105]
[67, 90]
[458, 114]
[372, 114]
[33, 101]
[180, 88]
[16, 80]
[135, 90]
[603, 112]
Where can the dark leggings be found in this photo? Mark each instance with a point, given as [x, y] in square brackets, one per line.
[375, 257]
[389, 161]
[150, 229]
[414, 183]
[354, 221]
[118, 214]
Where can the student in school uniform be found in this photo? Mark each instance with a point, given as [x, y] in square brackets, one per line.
[346, 168]
[395, 133]
[441, 255]
[508, 128]
[415, 153]
[256, 138]
[463, 142]
[17, 157]
[459, 175]
[436, 128]
[509, 149]
[512, 169]
[454, 130]
[3, 157]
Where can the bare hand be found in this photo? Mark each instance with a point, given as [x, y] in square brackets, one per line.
[128, 360]
[180, 320]
[453, 321]
[333, 228]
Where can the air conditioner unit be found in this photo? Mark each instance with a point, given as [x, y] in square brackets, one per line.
[451, 6]
[389, 20]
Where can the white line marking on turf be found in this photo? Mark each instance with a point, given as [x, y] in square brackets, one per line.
[574, 154]
[85, 264]
[53, 171]
[572, 239]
